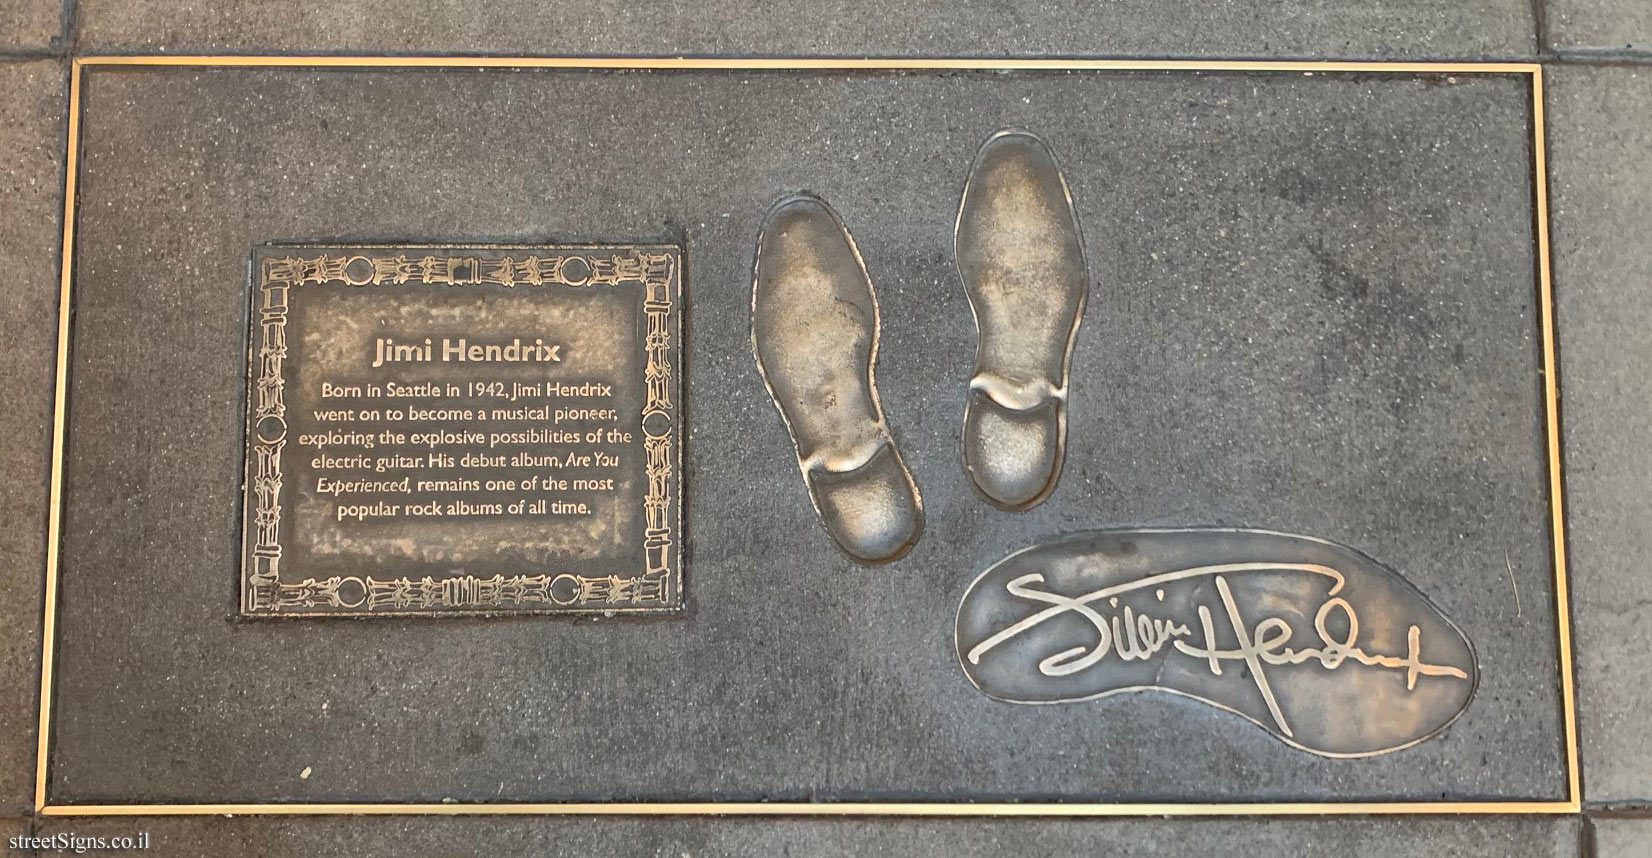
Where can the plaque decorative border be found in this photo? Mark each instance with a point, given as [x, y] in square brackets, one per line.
[657, 268]
[1530, 71]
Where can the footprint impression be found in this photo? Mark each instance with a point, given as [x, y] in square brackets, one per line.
[815, 334]
[1021, 259]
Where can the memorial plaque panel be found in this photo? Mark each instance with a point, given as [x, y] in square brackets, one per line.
[460, 430]
[1309, 307]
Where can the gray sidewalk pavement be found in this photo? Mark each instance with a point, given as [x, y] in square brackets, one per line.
[1600, 137]
[1364, 29]
[840, 838]
[31, 26]
[1600, 147]
[10, 829]
[1599, 27]
[31, 202]
[1621, 838]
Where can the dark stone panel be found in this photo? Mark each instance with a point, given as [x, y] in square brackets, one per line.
[1313, 311]
[1495, 837]
[1344, 29]
[1600, 129]
[31, 205]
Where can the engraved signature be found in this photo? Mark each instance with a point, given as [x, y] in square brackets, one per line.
[1129, 634]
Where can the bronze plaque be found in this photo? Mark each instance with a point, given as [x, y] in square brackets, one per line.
[439, 430]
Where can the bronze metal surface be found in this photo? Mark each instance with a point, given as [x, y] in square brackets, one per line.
[1021, 257]
[814, 331]
[1315, 642]
[463, 430]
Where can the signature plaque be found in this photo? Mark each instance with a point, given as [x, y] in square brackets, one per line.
[463, 430]
[1315, 642]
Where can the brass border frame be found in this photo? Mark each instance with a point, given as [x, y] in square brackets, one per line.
[1571, 804]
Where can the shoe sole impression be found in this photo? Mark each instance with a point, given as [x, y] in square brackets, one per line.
[815, 335]
[1021, 258]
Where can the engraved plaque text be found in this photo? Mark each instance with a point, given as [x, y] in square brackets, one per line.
[461, 430]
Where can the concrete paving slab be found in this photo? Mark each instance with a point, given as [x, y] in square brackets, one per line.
[30, 25]
[32, 96]
[14, 835]
[760, 838]
[1622, 838]
[1600, 130]
[1345, 29]
[1613, 27]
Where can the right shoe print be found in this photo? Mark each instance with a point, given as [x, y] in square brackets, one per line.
[1021, 258]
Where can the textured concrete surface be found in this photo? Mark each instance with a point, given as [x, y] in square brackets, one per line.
[761, 838]
[13, 828]
[1600, 26]
[1600, 128]
[30, 25]
[1622, 838]
[31, 200]
[1339, 29]
[1314, 312]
